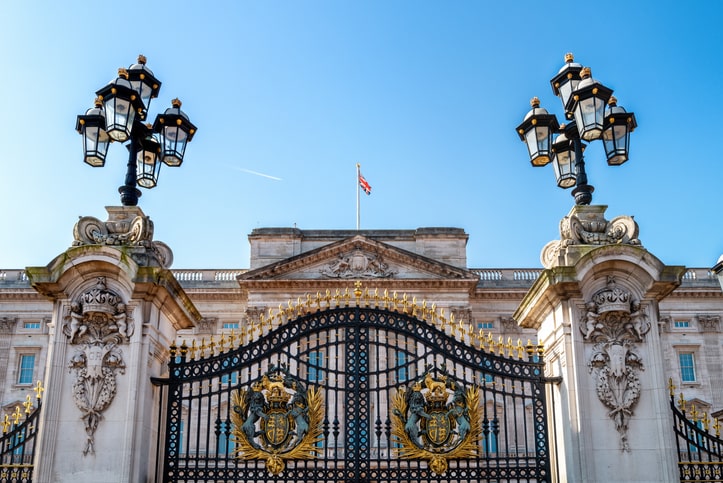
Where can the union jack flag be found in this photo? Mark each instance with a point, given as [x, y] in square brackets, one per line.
[364, 185]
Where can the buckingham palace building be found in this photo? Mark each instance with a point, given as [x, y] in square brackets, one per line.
[360, 356]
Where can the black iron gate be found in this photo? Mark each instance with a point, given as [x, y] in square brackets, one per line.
[357, 392]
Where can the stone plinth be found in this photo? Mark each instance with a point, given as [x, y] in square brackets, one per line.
[117, 308]
[596, 311]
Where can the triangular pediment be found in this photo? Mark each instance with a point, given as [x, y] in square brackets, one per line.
[358, 258]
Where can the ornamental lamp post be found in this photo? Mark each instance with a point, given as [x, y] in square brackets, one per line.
[118, 116]
[584, 100]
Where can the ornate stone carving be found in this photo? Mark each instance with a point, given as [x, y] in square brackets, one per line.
[126, 226]
[509, 325]
[97, 323]
[7, 325]
[358, 264]
[586, 225]
[206, 325]
[614, 323]
[709, 323]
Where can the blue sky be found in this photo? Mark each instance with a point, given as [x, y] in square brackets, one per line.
[425, 95]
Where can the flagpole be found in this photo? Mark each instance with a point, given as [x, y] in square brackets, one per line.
[358, 173]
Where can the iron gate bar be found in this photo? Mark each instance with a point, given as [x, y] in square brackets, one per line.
[353, 354]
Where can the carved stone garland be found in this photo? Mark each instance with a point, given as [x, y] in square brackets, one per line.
[614, 323]
[358, 264]
[96, 324]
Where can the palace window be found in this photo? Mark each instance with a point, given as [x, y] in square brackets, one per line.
[681, 324]
[26, 368]
[230, 325]
[31, 325]
[401, 360]
[316, 363]
[485, 325]
[687, 366]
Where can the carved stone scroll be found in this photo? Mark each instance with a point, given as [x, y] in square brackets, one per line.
[97, 323]
[613, 322]
[126, 226]
[586, 225]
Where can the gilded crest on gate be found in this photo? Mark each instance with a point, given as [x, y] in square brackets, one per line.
[436, 418]
[277, 418]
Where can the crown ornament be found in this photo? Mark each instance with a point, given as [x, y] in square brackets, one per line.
[99, 299]
[612, 298]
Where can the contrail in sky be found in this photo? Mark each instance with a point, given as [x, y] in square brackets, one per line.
[259, 174]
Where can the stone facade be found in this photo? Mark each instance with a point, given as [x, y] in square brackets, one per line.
[617, 324]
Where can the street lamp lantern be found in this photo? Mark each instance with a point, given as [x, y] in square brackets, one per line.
[144, 82]
[566, 80]
[616, 132]
[174, 130]
[537, 131]
[148, 151]
[91, 126]
[563, 158]
[118, 115]
[584, 100]
[587, 104]
[120, 105]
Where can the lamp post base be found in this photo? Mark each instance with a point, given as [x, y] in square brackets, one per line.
[583, 194]
[129, 195]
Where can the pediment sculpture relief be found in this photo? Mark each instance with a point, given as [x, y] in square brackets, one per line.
[97, 323]
[358, 264]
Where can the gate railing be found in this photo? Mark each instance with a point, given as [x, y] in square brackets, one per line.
[17, 444]
[360, 350]
[700, 452]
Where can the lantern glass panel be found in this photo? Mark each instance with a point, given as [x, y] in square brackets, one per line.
[145, 90]
[589, 117]
[148, 168]
[566, 89]
[617, 142]
[564, 165]
[119, 116]
[95, 145]
[174, 140]
[538, 144]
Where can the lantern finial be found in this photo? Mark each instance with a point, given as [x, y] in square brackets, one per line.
[569, 58]
[142, 59]
[122, 72]
[613, 101]
[176, 103]
[585, 72]
[535, 102]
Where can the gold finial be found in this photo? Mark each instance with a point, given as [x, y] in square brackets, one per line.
[693, 412]
[357, 289]
[16, 415]
[193, 349]
[28, 404]
[613, 101]
[569, 58]
[38, 390]
[716, 427]
[671, 387]
[98, 102]
[540, 350]
[520, 349]
[535, 102]
[6, 424]
[141, 59]
[706, 422]
[585, 72]
[122, 72]
[681, 403]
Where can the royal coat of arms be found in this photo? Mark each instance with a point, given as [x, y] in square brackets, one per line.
[436, 418]
[277, 418]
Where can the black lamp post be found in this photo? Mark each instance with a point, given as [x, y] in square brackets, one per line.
[118, 116]
[584, 100]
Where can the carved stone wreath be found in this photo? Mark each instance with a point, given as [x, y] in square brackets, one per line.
[97, 323]
[614, 323]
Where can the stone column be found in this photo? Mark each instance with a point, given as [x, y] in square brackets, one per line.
[595, 308]
[117, 308]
